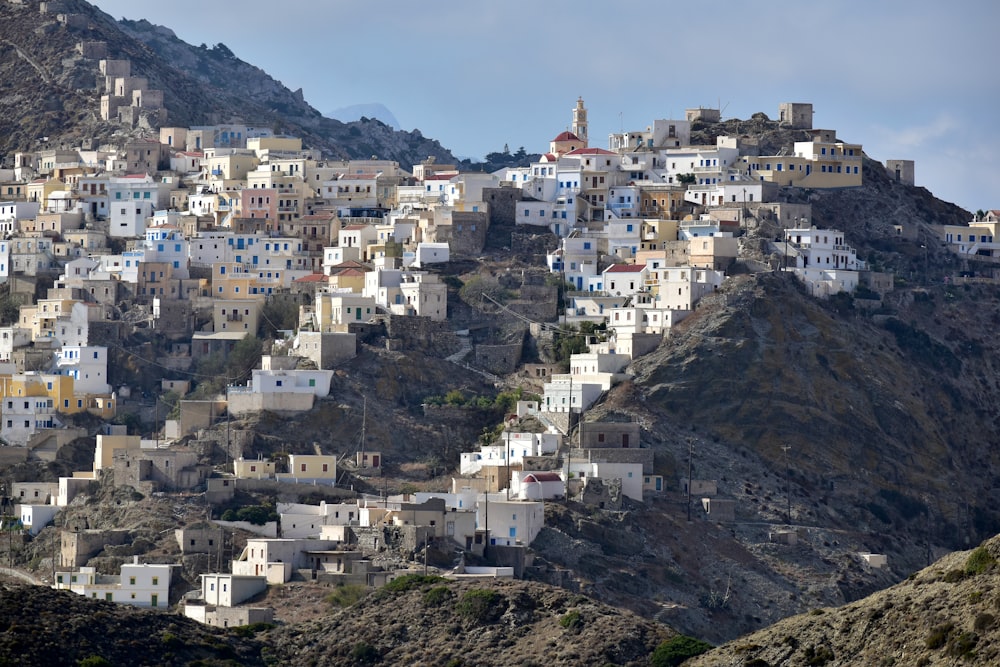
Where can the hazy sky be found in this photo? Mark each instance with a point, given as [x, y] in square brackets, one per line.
[908, 79]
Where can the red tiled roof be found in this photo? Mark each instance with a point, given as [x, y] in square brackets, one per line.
[567, 136]
[543, 477]
[311, 278]
[625, 268]
[590, 151]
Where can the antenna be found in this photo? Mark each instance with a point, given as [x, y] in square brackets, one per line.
[788, 484]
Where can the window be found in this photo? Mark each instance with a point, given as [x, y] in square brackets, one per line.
[131, 581]
[156, 581]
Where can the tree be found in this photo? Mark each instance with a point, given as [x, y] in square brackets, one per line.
[244, 357]
[685, 179]
[676, 650]
[278, 313]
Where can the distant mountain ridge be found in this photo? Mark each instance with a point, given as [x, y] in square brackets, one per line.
[374, 110]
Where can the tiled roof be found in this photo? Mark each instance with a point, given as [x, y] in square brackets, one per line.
[625, 268]
[567, 136]
[590, 151]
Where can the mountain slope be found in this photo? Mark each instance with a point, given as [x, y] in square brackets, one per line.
[51, 91]
[945, 614]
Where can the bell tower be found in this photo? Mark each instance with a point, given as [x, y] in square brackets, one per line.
[580, 122]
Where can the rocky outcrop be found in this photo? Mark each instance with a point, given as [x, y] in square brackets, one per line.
[944, 614]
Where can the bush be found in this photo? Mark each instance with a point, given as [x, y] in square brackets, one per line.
[938, 636]
[979, 561]
[676, 650]
[93, 661]
[364, 653]
[409, 582]
[250, 629]
[437, 596]
[479, 606]
[344, 595]
[572, 620]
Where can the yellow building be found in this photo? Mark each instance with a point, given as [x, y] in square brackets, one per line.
[813, 164]
[253, 468]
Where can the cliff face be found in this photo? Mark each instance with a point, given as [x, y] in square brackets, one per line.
[50, 90]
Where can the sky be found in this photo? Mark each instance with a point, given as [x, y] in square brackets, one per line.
[907, 79]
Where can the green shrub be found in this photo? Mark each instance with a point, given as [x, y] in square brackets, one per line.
[979, 561]
[437, 596]
[364, 653]
[962, 646]
[984, 622]
[479, 606]
[953, 576]
[938, 636]
[676, 650]
[409, 582]
[571, 620]
[250, 629]
[818, 655]
[344, 595]
[93, 661]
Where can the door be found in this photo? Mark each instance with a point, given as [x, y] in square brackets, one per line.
[153, 600]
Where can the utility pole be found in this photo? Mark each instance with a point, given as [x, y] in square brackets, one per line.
[507, 459]
[788, 484]
[690, 457]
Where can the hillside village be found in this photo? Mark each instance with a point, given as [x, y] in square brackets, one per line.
[232, 243]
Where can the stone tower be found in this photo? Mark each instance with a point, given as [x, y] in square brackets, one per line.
[901, 170]
[580, 122]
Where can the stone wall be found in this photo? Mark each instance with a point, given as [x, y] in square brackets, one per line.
[242, 403]
[78, 547]
[499, 359]
[609, 455]
[401, 540]
[533, 246]
[327, 350]
[468, 233]
[502, 203]
[421, 333]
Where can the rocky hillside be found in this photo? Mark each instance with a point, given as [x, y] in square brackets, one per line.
[422, 622]
[945, 614]
[45, 627]
[470, 623]
[49, 90]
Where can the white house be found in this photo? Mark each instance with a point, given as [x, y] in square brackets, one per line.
[535, 485]
[279, 390]
[430, 253]
[625, 279]
[24, 416]
[132, 199]
[87, 365]
[228, 590]
[630, 474]
[509, 522]
[564, 393]
[276, 558]
[299, 520]
[822, 260]
[516, 446]
[36, 517]
[140, 584]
